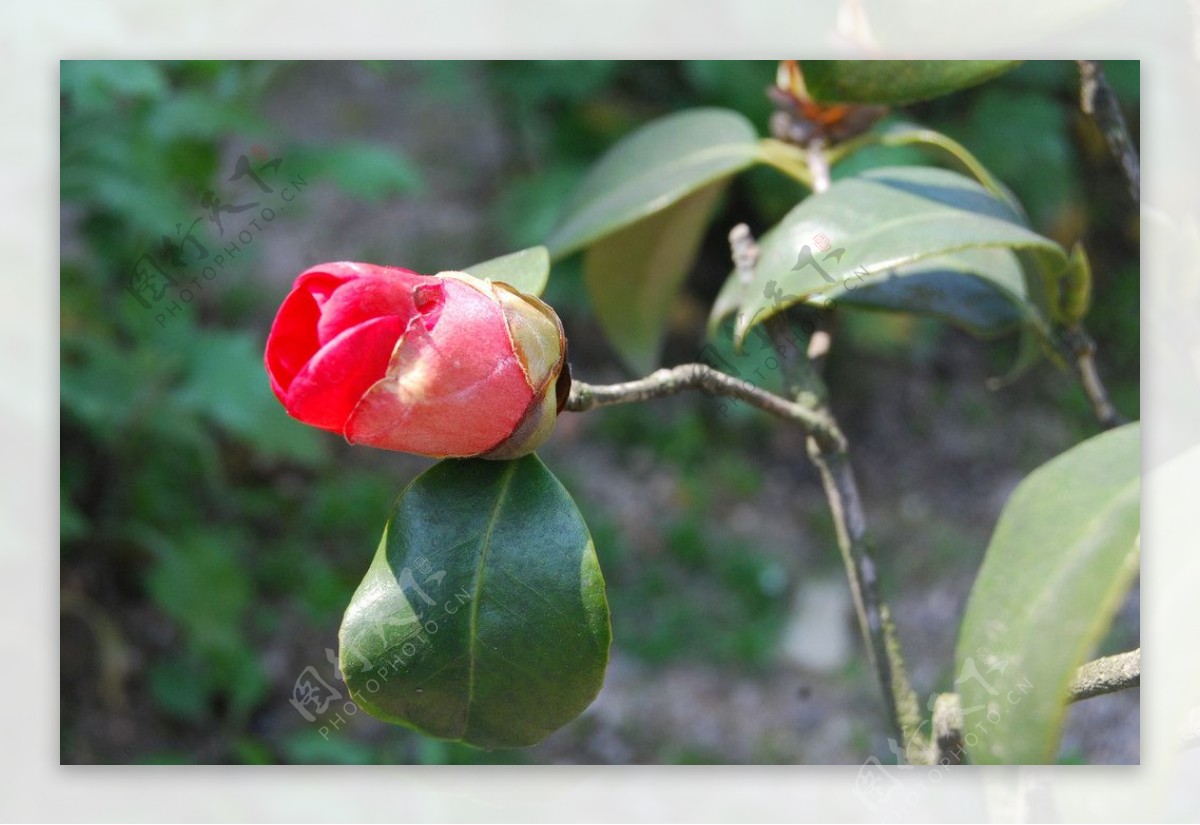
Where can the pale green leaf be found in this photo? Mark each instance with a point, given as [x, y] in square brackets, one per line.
[528, 270]
[891, 224]
[652, 168]
[1059, 563]
[633, 276]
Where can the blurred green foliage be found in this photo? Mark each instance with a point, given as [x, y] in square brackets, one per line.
[222, 539]
[184, 483]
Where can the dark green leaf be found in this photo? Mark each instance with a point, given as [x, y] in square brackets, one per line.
[1061, 559]
[527, 270]
[889, 224]
[483, 616]
[656, 166]
[980, 290]
[894, 81]
[634, 275]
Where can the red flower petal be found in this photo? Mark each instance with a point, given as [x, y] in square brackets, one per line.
[377, 292]
[326, 391]
[292, 341]
[455, 390]
[327, 300]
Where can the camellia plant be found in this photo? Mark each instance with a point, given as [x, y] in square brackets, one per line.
[483, 616]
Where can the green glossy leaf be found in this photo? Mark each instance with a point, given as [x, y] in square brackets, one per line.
[633, 276]
[1061, 559]
[652, 168]
[527, 270]
[482, 617]
[893, 223]
[980, 290]
[907, 134]
[895, 81]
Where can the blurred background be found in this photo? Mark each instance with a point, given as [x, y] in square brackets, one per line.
[210, 543]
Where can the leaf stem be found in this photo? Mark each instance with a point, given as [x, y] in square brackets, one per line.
[787, 159]
[903, 134]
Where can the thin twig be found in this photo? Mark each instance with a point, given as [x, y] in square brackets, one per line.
[874, 617]
[1107, 675]
[883, 645]
[665, 382]
[832, 461]
[1095, 678]
[828, 450]
[1083, 348]
[1097, 99]
[830, 457]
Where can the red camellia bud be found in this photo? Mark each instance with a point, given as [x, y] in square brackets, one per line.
[445, 366]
